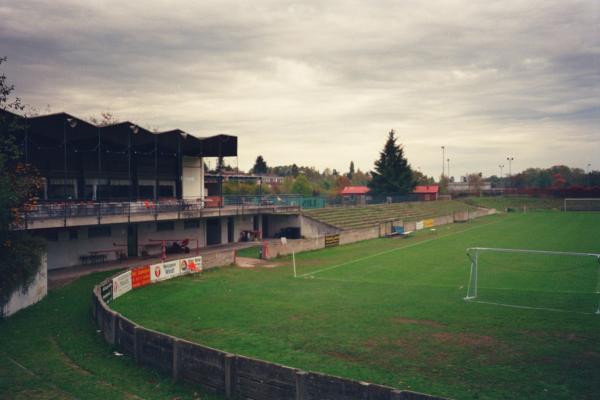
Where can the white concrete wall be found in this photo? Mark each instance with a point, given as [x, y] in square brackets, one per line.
[242, 223]
[310, 228]
[36, 292]
[147, 230]
[66, 253]
[192, 180]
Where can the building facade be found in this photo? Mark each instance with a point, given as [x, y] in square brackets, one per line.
[120, 191]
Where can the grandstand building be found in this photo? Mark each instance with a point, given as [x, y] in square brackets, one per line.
[118, 191]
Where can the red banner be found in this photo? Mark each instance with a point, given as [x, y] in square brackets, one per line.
[140, 276]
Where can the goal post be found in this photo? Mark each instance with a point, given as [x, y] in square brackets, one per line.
[535, 279]
[581, 204]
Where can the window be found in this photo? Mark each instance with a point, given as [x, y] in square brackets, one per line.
[191, 224]
[165, 226]
[98, 231]
[73, 234]
[166, 189]
[59, 189]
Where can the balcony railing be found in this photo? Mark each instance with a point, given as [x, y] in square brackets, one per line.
[183, 208]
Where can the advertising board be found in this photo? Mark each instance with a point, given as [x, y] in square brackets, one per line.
[121, 284]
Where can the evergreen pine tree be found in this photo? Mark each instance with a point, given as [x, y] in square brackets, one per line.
[392, 175]
[351, 171]
[260, 166]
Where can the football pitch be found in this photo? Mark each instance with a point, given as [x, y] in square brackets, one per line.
[392, 311]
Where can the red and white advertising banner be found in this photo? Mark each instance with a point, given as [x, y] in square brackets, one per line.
[190, 265]
[166, 270]
[121, 284]
[140, 276]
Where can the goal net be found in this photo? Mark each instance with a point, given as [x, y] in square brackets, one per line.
[534, 279]
[590, 204]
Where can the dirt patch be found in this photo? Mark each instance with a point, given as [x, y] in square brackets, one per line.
[423, 322]
[465, 339]
[343, 356]
[245, 262]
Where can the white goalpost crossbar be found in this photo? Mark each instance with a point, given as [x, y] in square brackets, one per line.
[473, 254]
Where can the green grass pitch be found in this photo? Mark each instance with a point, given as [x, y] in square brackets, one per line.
[391, 311]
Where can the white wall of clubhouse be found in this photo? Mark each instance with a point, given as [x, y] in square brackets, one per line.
[68, 249]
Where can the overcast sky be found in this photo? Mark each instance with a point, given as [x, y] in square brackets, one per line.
[322, 83]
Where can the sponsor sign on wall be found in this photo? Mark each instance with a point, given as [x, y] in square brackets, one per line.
[121, 284]
[428, 223]
[419, 225]
[166, 270]
[106, 291]
[332, 240]
[140, 276]
[190, 265]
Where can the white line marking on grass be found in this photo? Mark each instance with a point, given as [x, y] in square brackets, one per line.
[447, 286]
[528, 307]
[392, 250]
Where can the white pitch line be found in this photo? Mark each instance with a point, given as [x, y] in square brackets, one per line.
[528, 307]
[392, 250]
[452, 286]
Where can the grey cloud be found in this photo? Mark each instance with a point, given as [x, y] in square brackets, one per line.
[320, 83]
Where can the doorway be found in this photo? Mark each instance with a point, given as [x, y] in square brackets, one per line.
[132, 240]
[230, 228]
[213, 231]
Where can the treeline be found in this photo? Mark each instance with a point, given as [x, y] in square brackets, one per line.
[556, 177]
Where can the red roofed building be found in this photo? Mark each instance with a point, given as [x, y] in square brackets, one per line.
[355, 194]
[427, 192]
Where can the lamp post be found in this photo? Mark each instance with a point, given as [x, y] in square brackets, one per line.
[510, 160]
[260, 181]
[448, 169]
[589, 174]
[443, 158]
[501, 166]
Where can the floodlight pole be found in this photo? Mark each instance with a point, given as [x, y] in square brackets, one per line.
[448, 169]
[510, 160]
[443, 159]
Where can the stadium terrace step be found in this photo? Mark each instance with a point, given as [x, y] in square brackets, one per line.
[367, 216]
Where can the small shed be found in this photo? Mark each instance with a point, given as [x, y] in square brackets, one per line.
[427, 192]
[355, 194]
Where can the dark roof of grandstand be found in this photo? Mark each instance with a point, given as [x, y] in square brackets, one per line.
[51, 129]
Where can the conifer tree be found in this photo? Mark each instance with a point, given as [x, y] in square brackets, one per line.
[392, 175]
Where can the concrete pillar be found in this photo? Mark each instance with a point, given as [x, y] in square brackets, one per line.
[137, 344]
[301, 385]
[176, 356]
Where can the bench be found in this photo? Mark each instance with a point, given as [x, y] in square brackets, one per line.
[399, 231]
[92, 259]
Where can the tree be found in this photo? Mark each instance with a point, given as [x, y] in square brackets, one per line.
[392, 174]
[260, 166]
[475, 182]
[422, 179]
[295, 170]
[106, 118]
[302, 186]
[351, 170]
[20, 253]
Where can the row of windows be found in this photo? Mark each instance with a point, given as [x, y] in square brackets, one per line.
[105, 230]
